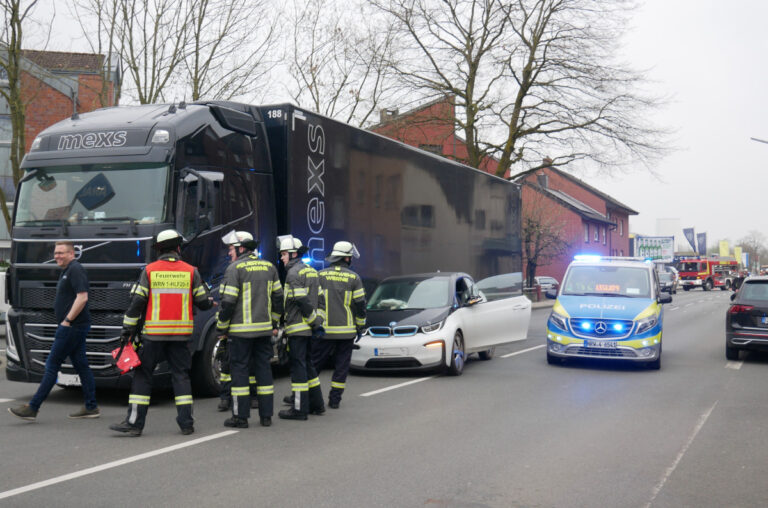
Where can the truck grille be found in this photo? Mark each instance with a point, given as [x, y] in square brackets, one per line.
[98, 299]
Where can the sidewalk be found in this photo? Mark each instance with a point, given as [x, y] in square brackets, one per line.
[542, 304]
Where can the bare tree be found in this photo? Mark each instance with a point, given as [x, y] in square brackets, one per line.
[755, 244]
[544, 232]
[530, 77]
[231, 48]
[339, 66]
[15, 14]
[103, 39]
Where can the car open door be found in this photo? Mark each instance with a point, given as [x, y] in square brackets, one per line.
[501, 314]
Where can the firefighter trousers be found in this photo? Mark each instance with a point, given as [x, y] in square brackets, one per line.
[179, 359]
[340, 351]
[225, 377]
[243, 353]
[305, 384]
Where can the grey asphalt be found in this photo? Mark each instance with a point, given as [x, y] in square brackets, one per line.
[512, 431]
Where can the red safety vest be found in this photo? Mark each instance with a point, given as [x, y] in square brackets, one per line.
[169, 311]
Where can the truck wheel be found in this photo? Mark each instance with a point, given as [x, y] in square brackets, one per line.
[707, 285]
[205, 368]
[686, 288]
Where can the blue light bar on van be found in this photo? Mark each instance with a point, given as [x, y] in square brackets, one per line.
[586, 257]
[618, 327]
[586, 325]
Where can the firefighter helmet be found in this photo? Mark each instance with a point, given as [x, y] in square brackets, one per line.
[240, 239]
[287, 243]
[343, 250]
[168, 239]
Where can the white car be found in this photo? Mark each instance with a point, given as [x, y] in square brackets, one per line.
[433, 321]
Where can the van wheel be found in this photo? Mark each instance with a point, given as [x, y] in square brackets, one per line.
[206, 368]
[457, 356]
[487, 354]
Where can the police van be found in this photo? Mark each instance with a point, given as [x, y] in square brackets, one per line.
[607, 308]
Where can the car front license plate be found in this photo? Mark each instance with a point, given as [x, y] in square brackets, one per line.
[68, 379]
[390, 351]
[610, 344]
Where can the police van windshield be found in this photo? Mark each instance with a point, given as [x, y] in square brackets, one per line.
[93, 193]
[607, 281]
[402, 294]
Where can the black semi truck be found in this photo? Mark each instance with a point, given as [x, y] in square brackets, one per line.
[111, 179]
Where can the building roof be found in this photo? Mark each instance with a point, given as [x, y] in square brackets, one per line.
[609, 200]
[59, 61]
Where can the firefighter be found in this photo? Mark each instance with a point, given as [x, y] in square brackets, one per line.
[303, 320]
[251, 306]
[234, 242]
[344, 297]
[165, 293]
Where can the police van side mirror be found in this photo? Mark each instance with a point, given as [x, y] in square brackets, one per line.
[665, 297]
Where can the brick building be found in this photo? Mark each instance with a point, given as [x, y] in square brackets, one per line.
[54, 86]
[589, 220]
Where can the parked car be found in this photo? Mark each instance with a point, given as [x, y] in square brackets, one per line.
[668, 282]
[546, 282]
[433, 321]
[746, 320]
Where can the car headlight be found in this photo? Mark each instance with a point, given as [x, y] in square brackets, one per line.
[559, 321]
[645, 324]
[432, 328]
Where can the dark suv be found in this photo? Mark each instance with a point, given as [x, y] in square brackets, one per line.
[746, 321]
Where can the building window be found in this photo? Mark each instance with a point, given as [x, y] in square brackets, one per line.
[586, 233]
[621, 253]
[605, 241]
[621, 227]
[435, 149]
[597, 234]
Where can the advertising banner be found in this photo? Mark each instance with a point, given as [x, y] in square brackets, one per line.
[737, 255]
[701, 238]
[688, 232]
[658, 248]
[725, 250]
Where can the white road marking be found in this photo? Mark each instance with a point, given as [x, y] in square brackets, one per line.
[110, 465]
[394, 387]
[522, 351]
[734, 365]
[6, 400]
[687, 305]
[674, 308]
[671, 469]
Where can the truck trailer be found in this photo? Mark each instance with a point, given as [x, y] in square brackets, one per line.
[110, 180]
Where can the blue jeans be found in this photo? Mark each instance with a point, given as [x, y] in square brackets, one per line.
[69, 341]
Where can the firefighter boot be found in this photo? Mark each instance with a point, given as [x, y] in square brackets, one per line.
[238, 423]
[126, 428]
[289, 399]
[292, 414]
[224, 404]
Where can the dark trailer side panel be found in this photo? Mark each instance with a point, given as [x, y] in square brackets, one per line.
[405, 209]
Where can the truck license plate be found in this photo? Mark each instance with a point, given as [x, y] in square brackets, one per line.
[68, 379]
[610, 344]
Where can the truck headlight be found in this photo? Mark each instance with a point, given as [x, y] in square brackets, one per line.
[432, 327]
[646, 324]
[559, 321]
[10, 349]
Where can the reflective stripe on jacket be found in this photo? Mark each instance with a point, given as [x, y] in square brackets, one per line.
[251, 298]
[302, 299]
[344, 301]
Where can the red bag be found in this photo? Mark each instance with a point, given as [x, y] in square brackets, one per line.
[126, 359]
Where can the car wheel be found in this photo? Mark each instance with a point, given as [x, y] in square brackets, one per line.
[731, 353]
[686, 288]
[487, 354]
[457, 356]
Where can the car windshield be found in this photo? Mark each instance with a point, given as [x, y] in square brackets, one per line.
[399, 294]
[754, 291]
[607, 281]
[93, 193]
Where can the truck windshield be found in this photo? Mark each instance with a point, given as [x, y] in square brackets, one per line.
[607, 281]
[691, 267]
[93, 193]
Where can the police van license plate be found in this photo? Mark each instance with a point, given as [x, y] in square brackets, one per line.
[68, 379]
[609, 344]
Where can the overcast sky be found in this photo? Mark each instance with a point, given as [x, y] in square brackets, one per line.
[710, 58]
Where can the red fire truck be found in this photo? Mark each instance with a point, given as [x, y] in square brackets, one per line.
[708, 272]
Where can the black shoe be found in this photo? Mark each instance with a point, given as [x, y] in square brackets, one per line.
[317, 411]
[333, 404]
[239, 423]
[188, 430]
[292, 414]
[126, 428]
[224, 405]
[266, 421]
[24, 412]
[289, 399]
[254, 403]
